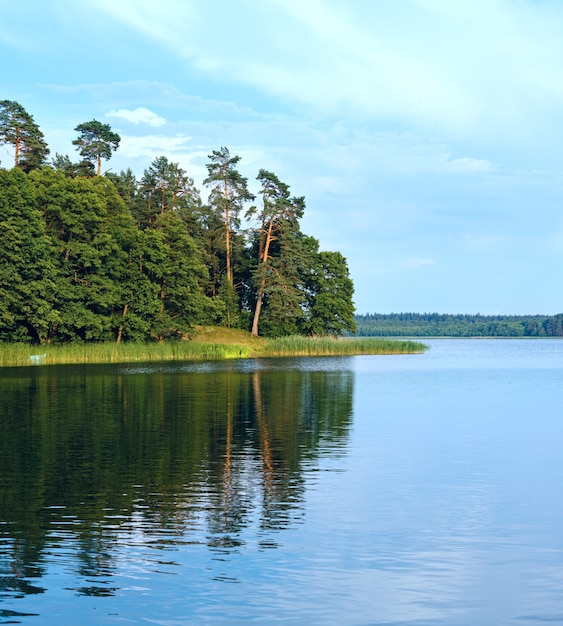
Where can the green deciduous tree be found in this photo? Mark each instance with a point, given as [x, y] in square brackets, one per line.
[171, 260]
[18, 129]
[95, 142]
[27, 272]
[331, 307]
[92, 231]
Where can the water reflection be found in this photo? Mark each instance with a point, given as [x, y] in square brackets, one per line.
[157, 460]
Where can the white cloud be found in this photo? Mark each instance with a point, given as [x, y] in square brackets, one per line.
[405, 124]
[152, 146]
[139, 152]
[154, 93]
[140, 115]
[473, 70]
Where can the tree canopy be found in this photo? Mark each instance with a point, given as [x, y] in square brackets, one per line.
[96, 141]
[118, 257]
[229, 192]
[18, 129]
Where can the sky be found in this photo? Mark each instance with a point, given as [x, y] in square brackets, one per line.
[425, 135]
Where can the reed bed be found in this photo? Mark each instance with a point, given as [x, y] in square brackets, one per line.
[332, 346]
[16, 354]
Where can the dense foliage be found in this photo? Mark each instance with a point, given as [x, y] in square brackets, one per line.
[437, 325]
[93, 257]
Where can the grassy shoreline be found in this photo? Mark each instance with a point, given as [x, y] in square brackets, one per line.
[209, 344]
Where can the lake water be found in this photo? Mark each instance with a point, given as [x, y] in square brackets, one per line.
[386, 490]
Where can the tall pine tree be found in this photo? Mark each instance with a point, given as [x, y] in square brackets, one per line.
[18, 129]
[229, 193]
[96, 141]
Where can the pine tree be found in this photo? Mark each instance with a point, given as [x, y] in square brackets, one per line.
[276, 267]
[228, 195]
[96, 142]
[18, 129]
[166, 186]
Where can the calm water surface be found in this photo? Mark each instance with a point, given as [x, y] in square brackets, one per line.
[390, 490]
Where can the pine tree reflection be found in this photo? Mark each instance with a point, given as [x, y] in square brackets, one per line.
[95, 459]
[265, 447]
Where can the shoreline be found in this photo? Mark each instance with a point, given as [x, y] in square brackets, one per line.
[21, 355]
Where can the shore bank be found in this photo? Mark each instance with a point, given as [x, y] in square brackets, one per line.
[208, 344]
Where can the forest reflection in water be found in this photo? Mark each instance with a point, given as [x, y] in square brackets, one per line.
[99, 464]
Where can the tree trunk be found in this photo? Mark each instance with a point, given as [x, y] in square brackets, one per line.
[120, 331]
[228, 236]
[228, 454]
[17, 146]
[99, 159]
[258, 308]
[260, 292]
[267, 457]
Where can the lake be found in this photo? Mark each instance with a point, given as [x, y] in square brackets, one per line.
[371, 490]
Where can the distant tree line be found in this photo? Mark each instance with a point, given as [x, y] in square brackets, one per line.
[92, 257]
[444, 325]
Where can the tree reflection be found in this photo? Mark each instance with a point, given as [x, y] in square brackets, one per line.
[95, 457]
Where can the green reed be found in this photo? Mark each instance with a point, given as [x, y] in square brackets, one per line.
[25, 354]
[329, 346]
[14, 354]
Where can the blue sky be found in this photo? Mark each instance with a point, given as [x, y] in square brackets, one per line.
[425, 135]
